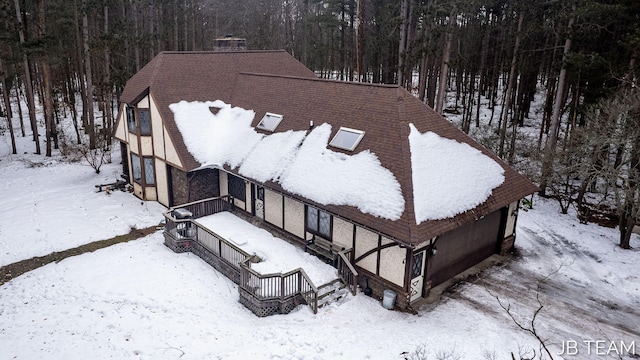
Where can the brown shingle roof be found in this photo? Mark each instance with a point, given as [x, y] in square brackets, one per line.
[200, 76]
[382, 111]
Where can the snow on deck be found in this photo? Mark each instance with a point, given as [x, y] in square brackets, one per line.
[277, 255]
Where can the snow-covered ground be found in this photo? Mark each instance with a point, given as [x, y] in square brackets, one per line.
[139, 300]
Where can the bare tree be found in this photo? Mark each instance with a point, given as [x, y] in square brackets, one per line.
[28, 85]
[558, 104]
[88, 77]
[7, 106]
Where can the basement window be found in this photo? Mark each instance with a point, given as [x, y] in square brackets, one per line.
[347, 139]
[269, 122]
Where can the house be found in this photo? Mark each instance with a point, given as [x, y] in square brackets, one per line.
[364, 167]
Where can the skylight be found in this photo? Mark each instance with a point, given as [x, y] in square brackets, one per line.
[269, 122]
[347, 139]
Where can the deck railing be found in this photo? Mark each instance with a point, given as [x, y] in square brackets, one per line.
[347, 272]
[278, 286]
[220, 247]
[285, 288]
[183, 229]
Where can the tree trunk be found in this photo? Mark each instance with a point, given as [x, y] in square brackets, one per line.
[444, 68]
[136, 33]
[483, 65]
[28, 87]
[87, 66]
[360, 34]
[402, 48]
[7, 106]
[46, 78]
[19, 103]
[108, 120]
[510, 86]
[550, 148]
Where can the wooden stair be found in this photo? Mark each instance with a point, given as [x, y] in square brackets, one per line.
[331, 292]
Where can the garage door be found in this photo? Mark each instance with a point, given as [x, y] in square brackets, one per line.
[464, 247]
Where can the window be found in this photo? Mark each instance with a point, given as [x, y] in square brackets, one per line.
[146, 167]
[319, 222]
[269, 122]
[135, 166]
[347, 139]
[144, 118]
[416, 268]
[131, 120]
[237, 189]
[149, 171]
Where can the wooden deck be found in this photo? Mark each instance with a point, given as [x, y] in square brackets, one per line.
[263, 294]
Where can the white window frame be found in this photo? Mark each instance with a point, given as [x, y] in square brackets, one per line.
[268, 118]
[360, 134]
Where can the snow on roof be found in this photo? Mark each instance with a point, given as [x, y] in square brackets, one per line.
[449, 177]
[302, 165]
[214, 140]
[330, 177]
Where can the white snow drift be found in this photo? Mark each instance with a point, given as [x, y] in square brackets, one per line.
[449, 177]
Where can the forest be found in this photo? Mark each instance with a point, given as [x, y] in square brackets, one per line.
[558, 77]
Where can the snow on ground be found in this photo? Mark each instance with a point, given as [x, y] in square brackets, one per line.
[277, 255]
[139, 300]
[50, 205]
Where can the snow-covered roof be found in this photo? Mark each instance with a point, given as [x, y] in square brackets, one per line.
[448, 177]
[300, 161]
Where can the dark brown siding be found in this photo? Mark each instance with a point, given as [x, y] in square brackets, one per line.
[203, 184]
[193, 186]
[178, 187]
[464, 247]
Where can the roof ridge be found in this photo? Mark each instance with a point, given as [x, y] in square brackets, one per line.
[403, 126]
[176, 52]
[156, 68]
[334, 81]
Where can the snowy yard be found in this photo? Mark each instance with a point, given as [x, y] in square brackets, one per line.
[139, 300]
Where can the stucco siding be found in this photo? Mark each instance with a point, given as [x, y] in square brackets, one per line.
[273, 208]
[294, 215]
[133, 143]
[510, 227]
[150, 193]
[342, 233]
[144, 103]
[240, 204]
[147, 145]
[170, 150]
[121, 129]
[224, 184]
[137, 189]
[157, 130]
[162, 182]
[365, 241]
[248, 197]
[391, 264]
